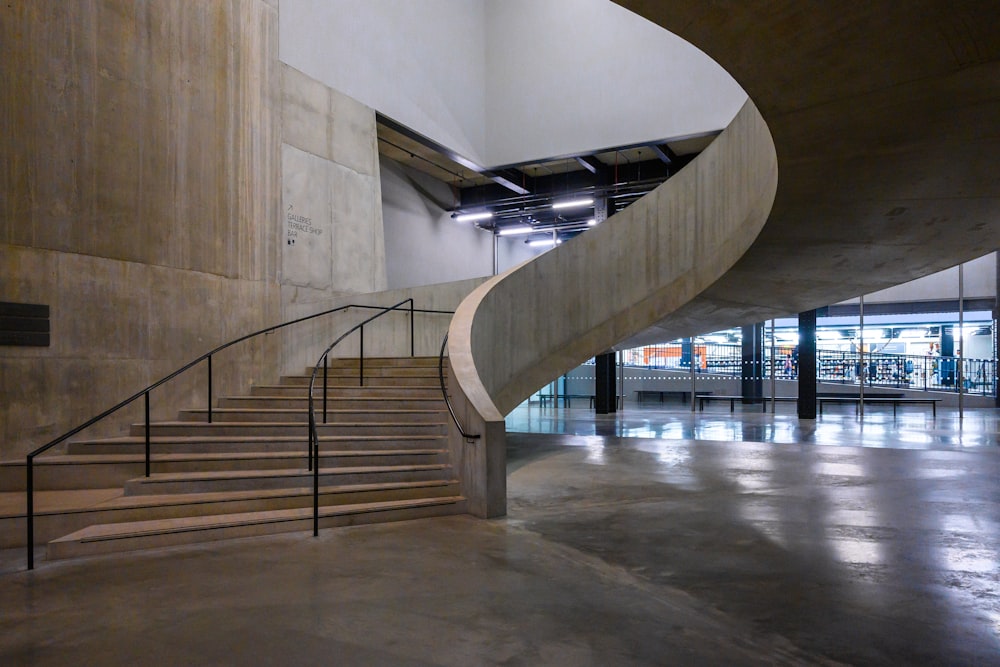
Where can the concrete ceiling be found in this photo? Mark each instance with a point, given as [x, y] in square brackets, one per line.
[885, 119]
[421, 154]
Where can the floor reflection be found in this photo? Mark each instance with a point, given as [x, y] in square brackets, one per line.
[907, 430]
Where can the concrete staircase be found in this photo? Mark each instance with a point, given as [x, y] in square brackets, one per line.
[383, 457]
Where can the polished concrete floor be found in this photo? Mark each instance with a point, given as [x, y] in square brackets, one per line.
[654, 538]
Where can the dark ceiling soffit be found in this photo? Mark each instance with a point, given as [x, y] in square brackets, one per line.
[502, 177]
[600, 151]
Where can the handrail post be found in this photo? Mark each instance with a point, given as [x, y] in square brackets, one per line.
[309, 432]
[147, 434]
[326, 365]
[209, 389]
[30, 511]
[315, 436]
[361, 358]
[412, 347]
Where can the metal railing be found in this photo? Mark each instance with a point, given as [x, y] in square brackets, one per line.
[145, 393]
[903, 371]
[447, 399]
[909, 371]
[313, 454]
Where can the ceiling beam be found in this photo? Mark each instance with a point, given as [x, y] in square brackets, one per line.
[512, 179]
[508, 178]
[666, 155]
[590, 163]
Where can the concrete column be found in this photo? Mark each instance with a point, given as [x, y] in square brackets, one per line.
[605, 390]
[807, 365]
[996, 347]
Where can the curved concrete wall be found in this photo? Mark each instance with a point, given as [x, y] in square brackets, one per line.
[517, 331]
[884, 117]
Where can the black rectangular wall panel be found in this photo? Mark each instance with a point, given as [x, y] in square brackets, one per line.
[24, 324]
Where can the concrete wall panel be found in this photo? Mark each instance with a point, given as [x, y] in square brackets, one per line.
[140, 198]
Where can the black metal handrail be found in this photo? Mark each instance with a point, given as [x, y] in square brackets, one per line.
[447, 399]
[30, 504]
[323, 360]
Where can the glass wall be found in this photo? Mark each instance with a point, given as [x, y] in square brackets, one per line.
[910, 355]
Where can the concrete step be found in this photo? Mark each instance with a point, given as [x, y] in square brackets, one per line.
[301, 402]
[369, 391]
[381, 372]
[89, 471]
[113, 538]
[58, 513]
[216, 429]
[246, 480]
[288, 443]
[301, 415]
[383, 362]
[423, 380]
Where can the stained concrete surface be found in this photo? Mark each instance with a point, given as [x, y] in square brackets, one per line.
[616, 551]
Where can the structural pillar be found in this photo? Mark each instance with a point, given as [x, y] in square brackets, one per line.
[996, 338]
[807, 365]
[605, 391]
[752, 384]
[946, 366]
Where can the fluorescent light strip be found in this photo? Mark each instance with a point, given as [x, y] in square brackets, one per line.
[543, 243]
[573, 203]
[514, 231]
[471, 217]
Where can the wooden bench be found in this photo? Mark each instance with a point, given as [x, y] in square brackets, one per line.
[685, 396]
[879, 400]
[732, 400]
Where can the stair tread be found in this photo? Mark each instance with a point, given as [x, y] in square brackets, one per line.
[279, 397]
[202, 497]
[100, 532]
[286, 472]
[13, 503]
[298, 411]
[341, 387]
[87, 459]
[90, 500]
[195, 424]
[190, 439]
[352, 373]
